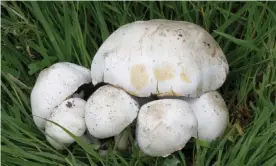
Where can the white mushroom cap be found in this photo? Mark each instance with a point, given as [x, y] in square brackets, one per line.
[212, 115]
[70, 115]
[161, 57]
[53, 86]
[165, 126]
[109, 111]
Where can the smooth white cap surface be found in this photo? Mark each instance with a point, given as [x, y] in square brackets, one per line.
[163, 57]
[108, 111]
[70, 115]
[53, 86]
[212, 115]
[165, 126]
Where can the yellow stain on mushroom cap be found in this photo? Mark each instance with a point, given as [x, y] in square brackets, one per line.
[164, 73]
[185, 77]
[139, 76]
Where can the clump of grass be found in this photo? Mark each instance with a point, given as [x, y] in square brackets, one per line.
[38, 34]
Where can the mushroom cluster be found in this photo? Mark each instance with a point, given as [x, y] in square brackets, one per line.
[159, 76]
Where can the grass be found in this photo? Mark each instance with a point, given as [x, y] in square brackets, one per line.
[35, 35]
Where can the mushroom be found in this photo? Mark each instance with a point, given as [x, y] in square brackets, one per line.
[165, 126]
[109, 110]
[162, 57]
[70, 115]
[211, 113]
[54, 85]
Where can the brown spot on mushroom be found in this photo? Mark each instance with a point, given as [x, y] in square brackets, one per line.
[164, 73]
[69, 104]
[139, 77]
[185, 77]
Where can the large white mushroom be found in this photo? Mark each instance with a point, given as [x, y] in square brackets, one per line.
[70, 115]
[162, 57]
[54, 85]
[108, 111]
[165, 126]
[211, 113]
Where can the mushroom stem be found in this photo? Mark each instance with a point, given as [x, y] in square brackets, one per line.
[104, 149]
[121, 140]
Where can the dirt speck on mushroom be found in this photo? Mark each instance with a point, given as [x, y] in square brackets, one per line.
[69, 104]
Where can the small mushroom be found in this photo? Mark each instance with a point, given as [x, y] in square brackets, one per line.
[70, 115]
[165, 126]
[211, 113]
[109, 110]
[162, 57]
[54, 85]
